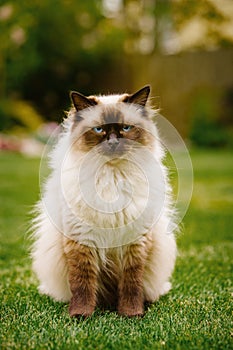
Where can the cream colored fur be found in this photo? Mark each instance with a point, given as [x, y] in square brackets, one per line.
[65, 209]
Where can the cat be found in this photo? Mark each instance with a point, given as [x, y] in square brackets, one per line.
[104, 230]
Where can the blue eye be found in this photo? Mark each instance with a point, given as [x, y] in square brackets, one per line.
[126, 128]
[98, 129]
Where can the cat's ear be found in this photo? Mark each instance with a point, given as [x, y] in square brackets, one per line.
[81, 102]
[140, 97]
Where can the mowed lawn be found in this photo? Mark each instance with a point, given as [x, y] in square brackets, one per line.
[196, 314]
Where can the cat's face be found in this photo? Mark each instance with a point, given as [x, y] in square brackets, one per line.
[112, 125]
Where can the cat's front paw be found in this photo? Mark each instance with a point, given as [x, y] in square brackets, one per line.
[77, 310]
[131, 310]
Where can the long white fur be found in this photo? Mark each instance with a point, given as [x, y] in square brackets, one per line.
[62, 210]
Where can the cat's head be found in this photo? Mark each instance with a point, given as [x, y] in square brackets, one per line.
[112, 124]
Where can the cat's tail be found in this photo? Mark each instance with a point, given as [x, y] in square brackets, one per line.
[159, 266]
[49, 262]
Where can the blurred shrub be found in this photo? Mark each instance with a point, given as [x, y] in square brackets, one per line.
[207, 129]
[208, 133]
[17, 116]
[44, 56]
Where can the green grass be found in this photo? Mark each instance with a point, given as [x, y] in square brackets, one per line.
[196, 314]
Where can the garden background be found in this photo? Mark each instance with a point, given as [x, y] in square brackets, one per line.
[184, 50]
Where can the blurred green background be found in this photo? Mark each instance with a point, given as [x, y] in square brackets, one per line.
[182, 48]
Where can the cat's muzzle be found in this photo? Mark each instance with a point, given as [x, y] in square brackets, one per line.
[115, 146]
[113, 142]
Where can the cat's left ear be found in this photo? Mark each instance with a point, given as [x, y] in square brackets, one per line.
[140, 97]
[81, 102]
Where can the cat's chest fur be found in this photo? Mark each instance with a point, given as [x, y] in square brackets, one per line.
[105, 204]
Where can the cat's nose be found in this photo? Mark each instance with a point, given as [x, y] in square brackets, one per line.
[113, 141]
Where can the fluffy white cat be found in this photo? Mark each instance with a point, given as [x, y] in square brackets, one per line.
[103, 233]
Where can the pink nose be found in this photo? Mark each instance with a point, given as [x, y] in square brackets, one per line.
[112, 136]
[113, 141]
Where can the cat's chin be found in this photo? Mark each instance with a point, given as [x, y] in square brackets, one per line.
[114, 154]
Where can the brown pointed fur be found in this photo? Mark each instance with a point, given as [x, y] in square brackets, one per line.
[131, 300]
[116, 282]
[82, 274]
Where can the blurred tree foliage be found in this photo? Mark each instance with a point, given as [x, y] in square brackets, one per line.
[48, 48]
[207, 129]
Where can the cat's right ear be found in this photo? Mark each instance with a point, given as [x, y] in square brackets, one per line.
[81, 102]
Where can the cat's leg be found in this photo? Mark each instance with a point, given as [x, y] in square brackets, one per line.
[83, 272]
[131, 297]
